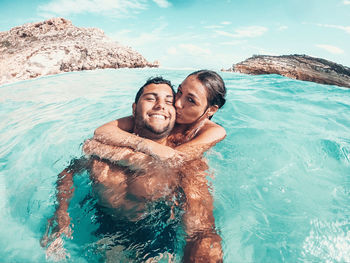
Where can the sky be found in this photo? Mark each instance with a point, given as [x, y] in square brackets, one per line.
[203, 33]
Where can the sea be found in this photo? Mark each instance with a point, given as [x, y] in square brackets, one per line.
[280, 180]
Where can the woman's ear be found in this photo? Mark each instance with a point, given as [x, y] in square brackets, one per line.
[133, 109]
[212, 110]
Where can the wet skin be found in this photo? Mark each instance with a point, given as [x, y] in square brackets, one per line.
[128, 191]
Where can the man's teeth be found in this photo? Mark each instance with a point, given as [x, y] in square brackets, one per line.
[161, 117]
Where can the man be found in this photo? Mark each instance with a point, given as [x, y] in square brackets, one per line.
[130, 191]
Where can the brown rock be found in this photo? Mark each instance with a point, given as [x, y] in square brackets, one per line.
[301, 67]
[55, 45]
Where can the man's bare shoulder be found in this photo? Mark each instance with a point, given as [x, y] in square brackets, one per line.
[126, 123]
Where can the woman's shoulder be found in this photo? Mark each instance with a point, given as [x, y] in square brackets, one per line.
[210, 125]
[213, 128]
[209, 133]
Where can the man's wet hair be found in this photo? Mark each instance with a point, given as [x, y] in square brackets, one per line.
[154, 80]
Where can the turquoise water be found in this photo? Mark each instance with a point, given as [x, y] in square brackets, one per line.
[282, 175]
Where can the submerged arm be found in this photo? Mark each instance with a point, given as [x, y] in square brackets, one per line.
[203, 244]
[59, 223]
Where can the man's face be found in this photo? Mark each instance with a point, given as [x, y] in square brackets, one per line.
[155, 112]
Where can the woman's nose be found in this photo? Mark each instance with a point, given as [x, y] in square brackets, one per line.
[178, 104]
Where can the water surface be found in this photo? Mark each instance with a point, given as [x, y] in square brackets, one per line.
[282, 175]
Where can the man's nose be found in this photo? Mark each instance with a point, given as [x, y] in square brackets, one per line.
[160, 104]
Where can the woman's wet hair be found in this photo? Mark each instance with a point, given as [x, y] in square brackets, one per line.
[154, 80]
[214, 85]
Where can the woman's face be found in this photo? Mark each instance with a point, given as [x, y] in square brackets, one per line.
[190, 101]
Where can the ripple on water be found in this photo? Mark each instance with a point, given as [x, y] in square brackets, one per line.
[281, 177]
[328, 241]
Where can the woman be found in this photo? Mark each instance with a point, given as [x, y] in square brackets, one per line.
[198, 97]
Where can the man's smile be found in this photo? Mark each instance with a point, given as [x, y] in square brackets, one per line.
[158, 116]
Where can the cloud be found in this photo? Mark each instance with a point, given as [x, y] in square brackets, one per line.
[252, 31]
[259, 50]
[244, 32]
[232, 43]
[127, 37]
[222, 24]
[194, 50]
[224, 33]
[113, 8]
[172, 50]
[344, 28]
[346, 2]
[331, 49]
[162, 3]
[213, 27]
[282, 28]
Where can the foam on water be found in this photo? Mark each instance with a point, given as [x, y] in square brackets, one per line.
[281, 185]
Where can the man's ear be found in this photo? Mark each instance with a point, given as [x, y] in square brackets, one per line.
[133, 109]
[211, 110]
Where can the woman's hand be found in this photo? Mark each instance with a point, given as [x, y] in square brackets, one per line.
[94, 147]
[129, 157]
[58, 225]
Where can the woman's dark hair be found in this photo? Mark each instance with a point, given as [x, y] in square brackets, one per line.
[214, 84]
[154, 80]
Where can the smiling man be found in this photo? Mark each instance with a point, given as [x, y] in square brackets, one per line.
[142, 201]
[154, 110]
[126, 195]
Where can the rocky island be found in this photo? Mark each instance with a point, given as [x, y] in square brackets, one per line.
[56, 46]
[301, 67]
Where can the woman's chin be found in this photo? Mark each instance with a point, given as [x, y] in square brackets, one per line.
[182, 122]
[179, 121]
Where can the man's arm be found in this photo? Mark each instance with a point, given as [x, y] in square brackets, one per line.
[203, 244]
[59, 223]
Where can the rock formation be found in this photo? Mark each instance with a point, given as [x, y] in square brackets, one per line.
[299, 67]
[56, 46]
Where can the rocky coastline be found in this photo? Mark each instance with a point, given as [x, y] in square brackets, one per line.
[300, 67]
[55, 46]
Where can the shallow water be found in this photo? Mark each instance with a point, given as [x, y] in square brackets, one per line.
[282, 175]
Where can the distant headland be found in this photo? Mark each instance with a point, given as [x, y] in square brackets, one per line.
[301, 67]
[56, 45]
